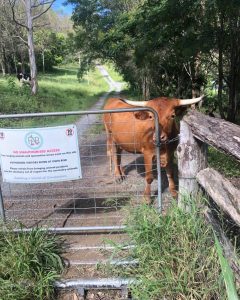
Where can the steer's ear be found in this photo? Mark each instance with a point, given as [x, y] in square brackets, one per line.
[143, 115]
[180, 110]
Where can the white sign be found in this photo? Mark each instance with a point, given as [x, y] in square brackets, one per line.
[40, 155]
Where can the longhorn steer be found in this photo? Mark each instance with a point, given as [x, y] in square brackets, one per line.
[135, 132]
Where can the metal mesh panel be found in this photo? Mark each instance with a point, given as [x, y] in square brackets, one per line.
[95, 200]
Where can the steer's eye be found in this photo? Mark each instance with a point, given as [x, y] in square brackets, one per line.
[172, 116]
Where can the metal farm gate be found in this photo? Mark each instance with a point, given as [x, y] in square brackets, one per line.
[95, 202]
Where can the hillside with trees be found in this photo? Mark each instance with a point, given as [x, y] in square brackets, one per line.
[33, 37]
[46, 52]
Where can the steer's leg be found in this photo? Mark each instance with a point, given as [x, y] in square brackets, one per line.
[110, 151]
[148, 161]
[109, 144]
[118, 170]
[172, 188]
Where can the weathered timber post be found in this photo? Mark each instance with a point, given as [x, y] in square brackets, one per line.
[222, 192]
[192, 157]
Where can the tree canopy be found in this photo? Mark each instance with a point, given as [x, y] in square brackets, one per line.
[167, 47]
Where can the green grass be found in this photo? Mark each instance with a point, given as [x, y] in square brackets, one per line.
[227, 273]
[69, 94]
[113, 72]
[29, 265]
[176, 253]
[59, 90]
[223, 163]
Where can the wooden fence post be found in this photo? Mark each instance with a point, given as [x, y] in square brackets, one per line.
[192, 157]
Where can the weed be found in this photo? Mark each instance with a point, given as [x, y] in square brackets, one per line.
[29, 264]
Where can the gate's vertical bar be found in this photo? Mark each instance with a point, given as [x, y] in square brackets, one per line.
[158, 148]
[159, 179]
[2, 210]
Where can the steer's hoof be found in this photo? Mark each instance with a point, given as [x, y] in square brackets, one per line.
[124, 177]
[118, 179]
[174, 194]
[147, 200]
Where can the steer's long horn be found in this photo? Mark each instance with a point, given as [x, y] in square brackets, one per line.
[135, 103]
[189, 101]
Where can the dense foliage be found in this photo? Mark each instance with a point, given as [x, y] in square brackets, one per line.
[174, 47]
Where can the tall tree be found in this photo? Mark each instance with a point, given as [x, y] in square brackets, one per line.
[33, 9]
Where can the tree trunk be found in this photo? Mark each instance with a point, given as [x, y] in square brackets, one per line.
[43, 61]
[3, 67]
[9, 67]
[195, 66]
[15, 63]
[220, 68]
[234, 83]
[145, 88]
[32, 60]
[22, 62]
[79, 59]
[3, 61]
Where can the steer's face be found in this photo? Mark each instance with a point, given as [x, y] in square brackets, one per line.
[166, 110]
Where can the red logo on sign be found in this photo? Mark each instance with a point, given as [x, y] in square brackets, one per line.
[69, 132]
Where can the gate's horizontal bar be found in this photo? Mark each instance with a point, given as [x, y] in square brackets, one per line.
[94, 283]
[80, 248]
[69, 230]
[115, 262]
[86, 112]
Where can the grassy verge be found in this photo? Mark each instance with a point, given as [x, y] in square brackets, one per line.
[113, 72]
[176, 253]
[59, 90]
[227, 273]
[223, 163]
[29, 264]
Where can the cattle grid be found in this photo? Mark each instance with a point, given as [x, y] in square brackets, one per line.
[95, 202]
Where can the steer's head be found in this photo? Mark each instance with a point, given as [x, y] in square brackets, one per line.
[167, 110]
